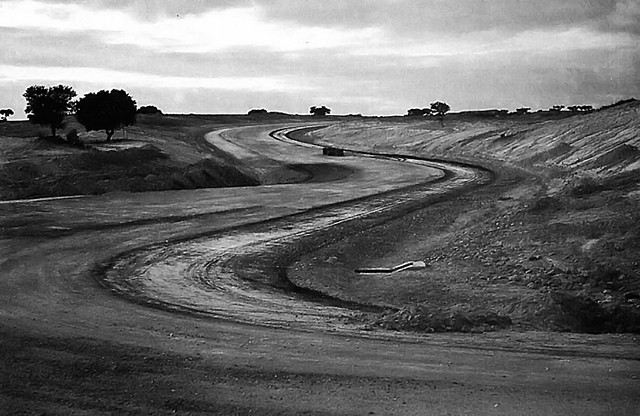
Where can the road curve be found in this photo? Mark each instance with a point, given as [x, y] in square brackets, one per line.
[238, 273]
[83, 347]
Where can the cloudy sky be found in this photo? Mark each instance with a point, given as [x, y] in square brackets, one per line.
[375, 57]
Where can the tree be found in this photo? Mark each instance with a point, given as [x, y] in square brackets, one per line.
[418, 112]
[440, 109]
[319, 111]
[258, 112]
[149, 109]
[556, 108]
[6, 112]
[106, 110]
[586, 108]
[580, 108]
[523, 110]
[48, 106]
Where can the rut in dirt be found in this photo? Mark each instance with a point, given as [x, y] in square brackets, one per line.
[240, 273]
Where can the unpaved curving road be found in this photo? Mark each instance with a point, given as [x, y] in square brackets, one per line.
[195, 278]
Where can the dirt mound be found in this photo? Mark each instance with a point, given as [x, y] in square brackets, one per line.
[585, 314]
[93, 171]
[621, 156]
[423, 318]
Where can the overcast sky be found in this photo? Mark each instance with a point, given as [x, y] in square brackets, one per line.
[375, 57]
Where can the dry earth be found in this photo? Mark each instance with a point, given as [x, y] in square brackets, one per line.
[136, 303]
[553, 245]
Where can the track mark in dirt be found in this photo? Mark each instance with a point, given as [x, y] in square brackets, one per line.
[240, 274]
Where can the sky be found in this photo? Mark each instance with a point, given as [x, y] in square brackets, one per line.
[370, 57]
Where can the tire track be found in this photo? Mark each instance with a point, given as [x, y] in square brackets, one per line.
[238, 274]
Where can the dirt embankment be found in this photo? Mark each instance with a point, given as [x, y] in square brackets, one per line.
[603, 142]
[160, 153]
[554, 247]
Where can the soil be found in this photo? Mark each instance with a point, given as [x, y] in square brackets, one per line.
[547, 249]
[158, 153]
[245, 301]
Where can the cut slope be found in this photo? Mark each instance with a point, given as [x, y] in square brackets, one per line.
[553, 249]
[604, 142]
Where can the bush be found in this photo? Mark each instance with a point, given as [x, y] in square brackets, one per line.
[73, 138]
[149, 109]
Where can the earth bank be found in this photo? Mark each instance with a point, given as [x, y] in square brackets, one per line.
[552, 245]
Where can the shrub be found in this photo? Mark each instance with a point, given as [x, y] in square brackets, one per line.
[73, 138]
[149, 109]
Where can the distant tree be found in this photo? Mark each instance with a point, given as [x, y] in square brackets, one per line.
[523, 110]
[556, 108]
[149, 109]
[47, 106]
[586, 108]
[257, 112]
[106, 110]
[5, 113]
[418, 112]
[440, 109]
[580, 108]
[319, 111]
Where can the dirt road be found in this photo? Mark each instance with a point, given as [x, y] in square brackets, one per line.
[175, 302]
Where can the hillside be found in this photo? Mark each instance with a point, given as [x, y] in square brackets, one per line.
[553, 244]
[603, 142]
[159, 153]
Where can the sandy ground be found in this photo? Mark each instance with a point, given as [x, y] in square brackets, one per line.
[128, 304]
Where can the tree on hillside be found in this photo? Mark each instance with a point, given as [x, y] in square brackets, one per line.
[440, 109]
[319, 111]
[523, 110]
[556, 108]
[586, 108]
[149, 109]
[258, 112]
[418, 112]
[580, 108]
[5, 113]
[48, 106]
[106, 110]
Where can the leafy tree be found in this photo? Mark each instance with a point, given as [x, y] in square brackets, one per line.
[319, 111]
[149, 109]
[48, 106]
[258, 112]
[106, 110]
[556, 108]
[418, 112]
[440, 109]
[6, 112]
